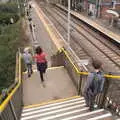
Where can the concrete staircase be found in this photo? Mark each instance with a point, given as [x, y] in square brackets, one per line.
[67, 109]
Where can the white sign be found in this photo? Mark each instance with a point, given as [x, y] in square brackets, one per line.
[83, 62]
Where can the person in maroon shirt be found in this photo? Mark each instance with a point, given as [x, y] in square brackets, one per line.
[41, 61]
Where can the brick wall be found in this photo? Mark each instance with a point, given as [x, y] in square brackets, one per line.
[103, 13]
[107, 4]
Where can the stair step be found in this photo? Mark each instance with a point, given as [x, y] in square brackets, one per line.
[106, 116]
[84, 116]
[69, 109]
[92, 115]
[53, 104]
[53, 110]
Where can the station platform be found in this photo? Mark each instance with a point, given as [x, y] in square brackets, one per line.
[110, 34]
[54, 99]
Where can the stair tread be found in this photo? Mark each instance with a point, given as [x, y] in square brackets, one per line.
[72, 109]
[54, 111]
[51, 104]
[82, 114]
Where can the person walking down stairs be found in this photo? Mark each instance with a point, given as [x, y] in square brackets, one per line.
[41, 61]
[94, 84]
[28, 61]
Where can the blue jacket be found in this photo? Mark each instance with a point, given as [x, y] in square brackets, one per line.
[98, 85]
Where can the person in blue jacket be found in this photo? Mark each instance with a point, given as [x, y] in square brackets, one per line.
[94, 84]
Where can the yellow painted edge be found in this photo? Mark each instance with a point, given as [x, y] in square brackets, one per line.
[53, 68]
[49, 102]
[49, 68]
[53, 37]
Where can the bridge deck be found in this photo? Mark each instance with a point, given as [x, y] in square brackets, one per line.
[57, 85]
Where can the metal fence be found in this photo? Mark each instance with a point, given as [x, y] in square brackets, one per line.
[79, 78]
[11, 100]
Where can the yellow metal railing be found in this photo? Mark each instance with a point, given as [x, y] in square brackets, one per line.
[18, 78]
[102, 99]
[84, 73]
[18, 83]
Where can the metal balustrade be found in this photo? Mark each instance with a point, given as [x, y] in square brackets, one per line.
[105, 99]
[11, 101]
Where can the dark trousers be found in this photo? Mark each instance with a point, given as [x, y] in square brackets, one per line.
[29, 69]
[42, 69]
[41, 76]
[90, 99]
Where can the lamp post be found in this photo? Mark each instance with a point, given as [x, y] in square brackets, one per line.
[68, 22]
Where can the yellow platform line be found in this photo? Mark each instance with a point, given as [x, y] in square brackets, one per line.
[50, 101]
[50, 68]
[53, 68]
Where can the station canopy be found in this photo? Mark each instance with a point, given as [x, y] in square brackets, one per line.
[115, 13]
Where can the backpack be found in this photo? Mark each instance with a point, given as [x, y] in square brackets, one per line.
[97, 83]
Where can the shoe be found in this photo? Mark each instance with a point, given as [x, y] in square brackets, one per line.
[43, 83]
[91, 109]
[86, 105]
[95, 106]
[29, 75]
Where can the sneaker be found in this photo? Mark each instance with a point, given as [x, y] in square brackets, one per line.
[43, 83]
[95, 106]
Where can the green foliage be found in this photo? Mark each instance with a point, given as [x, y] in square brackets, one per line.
[8, 11]
[9, 8]
[9, 42]
[12, 36]
[5, 18]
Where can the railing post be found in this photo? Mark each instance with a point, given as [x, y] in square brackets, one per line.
[79, 85]
[106, 86]
[13, 110]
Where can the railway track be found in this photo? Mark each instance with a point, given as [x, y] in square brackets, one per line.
[106, 51]
[106, 47]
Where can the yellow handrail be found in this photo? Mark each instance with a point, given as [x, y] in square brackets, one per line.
[85, 73]
[5, 102]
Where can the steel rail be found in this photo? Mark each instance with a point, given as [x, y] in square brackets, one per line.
[116, 63]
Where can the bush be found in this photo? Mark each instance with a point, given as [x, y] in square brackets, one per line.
[5, 18]
[8, 11]
[9, 42]
[9, 8]
[11, 38]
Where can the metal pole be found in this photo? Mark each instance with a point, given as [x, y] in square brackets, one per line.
[114, 4]
[13, 110]
[18, 8]
[68, 22]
